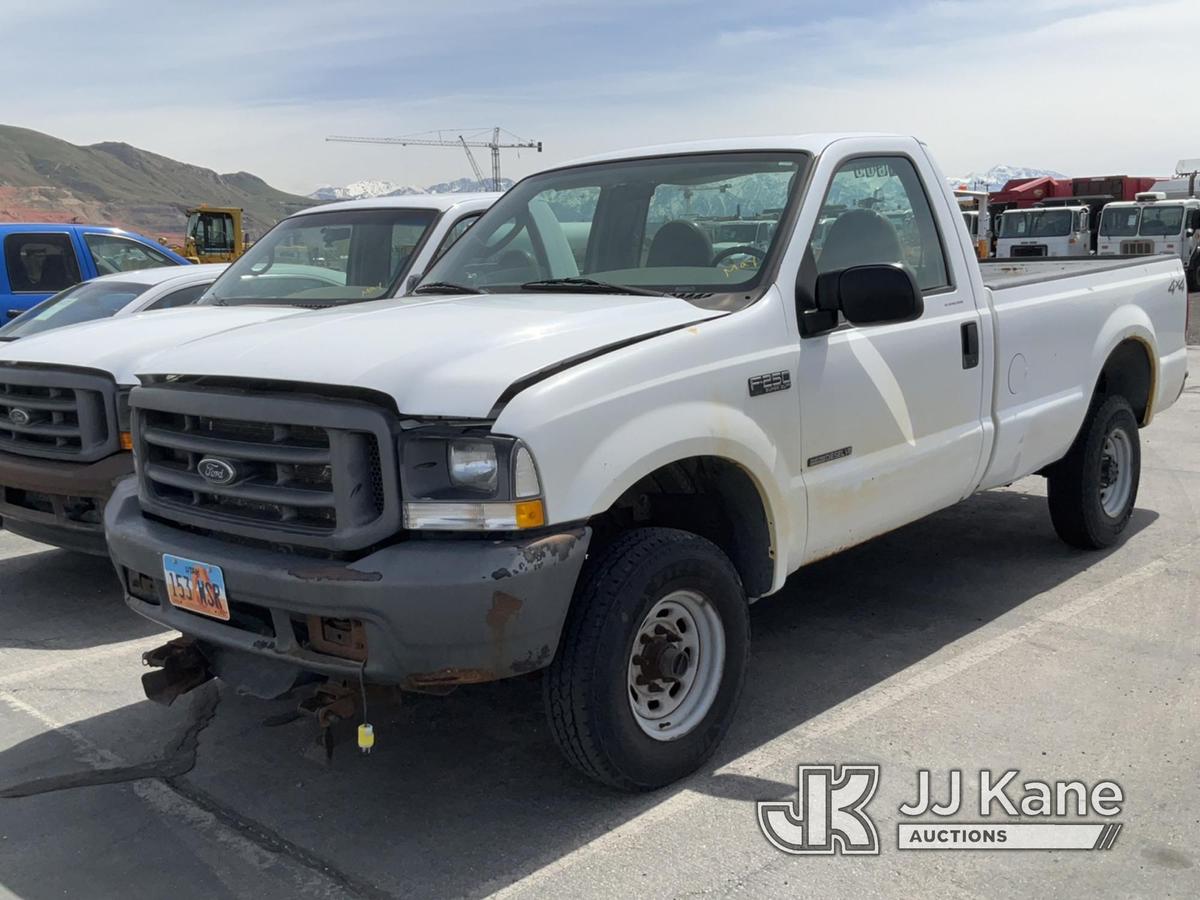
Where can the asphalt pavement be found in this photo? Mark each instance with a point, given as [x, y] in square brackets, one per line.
[970, 640]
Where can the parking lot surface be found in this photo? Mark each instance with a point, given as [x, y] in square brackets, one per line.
[973, 639]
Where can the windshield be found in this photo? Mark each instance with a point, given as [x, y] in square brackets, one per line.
[1162, 220]
[1014, 224]
[1051, 222]
[81, 303]
[324, 259]
[659, 225]
[972, 220]
[1119, 221]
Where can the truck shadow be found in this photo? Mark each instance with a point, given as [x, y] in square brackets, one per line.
[58, 600]
[467, 793]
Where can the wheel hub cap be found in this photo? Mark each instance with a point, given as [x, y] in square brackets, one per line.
[1116, 472]
[675, 665]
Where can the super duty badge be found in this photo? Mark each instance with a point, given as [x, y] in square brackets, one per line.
[770, 383]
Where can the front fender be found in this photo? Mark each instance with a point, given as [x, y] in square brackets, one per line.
[644, 443]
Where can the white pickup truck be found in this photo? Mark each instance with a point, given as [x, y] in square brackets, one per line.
[592, 461]
[64, 395]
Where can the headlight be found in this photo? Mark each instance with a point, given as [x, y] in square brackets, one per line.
[457, 482]
[473, 465]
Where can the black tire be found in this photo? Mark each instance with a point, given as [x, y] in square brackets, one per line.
[586, 688]
[1193, 275]
[1075, 482]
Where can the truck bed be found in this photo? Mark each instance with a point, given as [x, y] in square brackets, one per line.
[1051, 318]
[1004, 273]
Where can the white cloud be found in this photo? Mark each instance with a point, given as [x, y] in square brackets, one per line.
[1081, 87]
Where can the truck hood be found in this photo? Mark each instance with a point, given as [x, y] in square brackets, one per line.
[117, 345]
[452, 356]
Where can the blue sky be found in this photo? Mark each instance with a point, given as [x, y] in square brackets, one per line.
[1082, 87]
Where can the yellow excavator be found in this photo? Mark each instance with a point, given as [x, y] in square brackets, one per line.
[214, 234]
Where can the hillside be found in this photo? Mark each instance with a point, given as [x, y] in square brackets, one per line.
[44, 178]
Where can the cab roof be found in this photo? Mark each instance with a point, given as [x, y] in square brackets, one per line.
[439, 202]
[159, 274]
[808, 143]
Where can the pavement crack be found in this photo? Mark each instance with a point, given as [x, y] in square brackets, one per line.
[275, 843]
[178, 760]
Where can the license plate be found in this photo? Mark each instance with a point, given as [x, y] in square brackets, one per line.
[196, 587]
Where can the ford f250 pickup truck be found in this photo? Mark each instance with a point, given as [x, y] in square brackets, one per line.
[64, 415]
[589, 456]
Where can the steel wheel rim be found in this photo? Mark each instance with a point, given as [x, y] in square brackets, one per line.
[1116, 472]
[669, 698]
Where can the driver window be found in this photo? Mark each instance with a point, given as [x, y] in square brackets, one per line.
[876, 211]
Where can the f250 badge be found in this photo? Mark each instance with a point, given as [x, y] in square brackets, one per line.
[770, 383]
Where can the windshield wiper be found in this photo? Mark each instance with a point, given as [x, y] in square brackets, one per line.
[446, 287]
[589, 285]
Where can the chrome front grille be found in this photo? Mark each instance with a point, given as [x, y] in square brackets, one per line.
[1137, 248]
[57, 414]
[312, 472]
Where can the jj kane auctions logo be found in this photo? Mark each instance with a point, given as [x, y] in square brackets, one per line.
[829, 815]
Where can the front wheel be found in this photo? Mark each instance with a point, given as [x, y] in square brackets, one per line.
[652, 660]
[1093, 488]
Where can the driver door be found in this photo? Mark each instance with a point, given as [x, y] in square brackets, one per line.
[891, 423]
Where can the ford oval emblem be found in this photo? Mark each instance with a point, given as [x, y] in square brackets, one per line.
[19, 416]
[217, 471]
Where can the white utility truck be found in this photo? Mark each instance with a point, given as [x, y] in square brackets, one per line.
[593, 468]
[1044, 231]
[1153, 225]
[64, 395]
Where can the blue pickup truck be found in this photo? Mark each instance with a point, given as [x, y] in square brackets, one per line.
[43, 259]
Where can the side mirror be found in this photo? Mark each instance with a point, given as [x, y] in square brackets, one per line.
[865, 295]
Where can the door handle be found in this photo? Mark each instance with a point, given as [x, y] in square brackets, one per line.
[970, 345]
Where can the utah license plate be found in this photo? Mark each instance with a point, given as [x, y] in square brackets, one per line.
[196, 587]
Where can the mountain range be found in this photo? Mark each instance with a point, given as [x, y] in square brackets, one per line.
[359, 190]
[996, 177]
[43, 178]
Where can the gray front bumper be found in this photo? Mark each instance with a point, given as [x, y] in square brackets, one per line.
[435, 612]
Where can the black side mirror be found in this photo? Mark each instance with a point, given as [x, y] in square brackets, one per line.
[865, 295]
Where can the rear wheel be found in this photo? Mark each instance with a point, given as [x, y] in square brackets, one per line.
[1193, 274]
[652, 660]
[1093, 488]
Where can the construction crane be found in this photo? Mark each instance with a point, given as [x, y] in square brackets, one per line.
[467, 139]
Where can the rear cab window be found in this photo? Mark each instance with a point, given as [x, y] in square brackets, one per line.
[40, 263]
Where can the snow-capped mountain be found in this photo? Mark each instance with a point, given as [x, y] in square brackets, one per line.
[996, 177]
[466, 185]
[357, 190]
